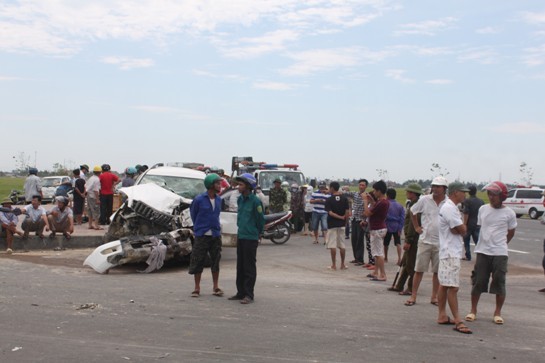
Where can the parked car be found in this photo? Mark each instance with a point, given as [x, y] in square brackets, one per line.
[50, 185]
[528, 201]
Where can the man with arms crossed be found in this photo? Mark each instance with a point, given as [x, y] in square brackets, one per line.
[428, 244]
[498, 225]
[451, 242]
[377, 209]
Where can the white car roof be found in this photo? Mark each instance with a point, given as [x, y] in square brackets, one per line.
[177, 171]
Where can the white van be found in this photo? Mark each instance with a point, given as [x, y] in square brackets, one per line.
[526, 201]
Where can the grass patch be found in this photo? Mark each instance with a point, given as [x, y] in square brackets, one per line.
[9, 183]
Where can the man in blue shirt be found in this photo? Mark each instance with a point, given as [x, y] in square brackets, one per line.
[205, 213]
[250, 222]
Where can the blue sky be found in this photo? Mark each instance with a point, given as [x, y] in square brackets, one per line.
[343, 88]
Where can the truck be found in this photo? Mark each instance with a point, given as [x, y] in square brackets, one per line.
[266, 173]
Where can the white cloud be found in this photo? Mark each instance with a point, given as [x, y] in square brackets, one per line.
[398, 75]
[126, 63]
[535, 56]
[9, 78]
[257, 46]
[488, 30]
[275, 86]
[429, 27]
[533, 18]
[520, 128]
[440, 81]
[205, 73]
[482, 55]
[319, 60]
[64, 27]
[171, 111]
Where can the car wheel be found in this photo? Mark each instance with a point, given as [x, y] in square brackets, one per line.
[533, 213]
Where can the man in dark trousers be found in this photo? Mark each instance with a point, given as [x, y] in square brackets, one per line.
[205, 213]
[471, 210]
[250, 222]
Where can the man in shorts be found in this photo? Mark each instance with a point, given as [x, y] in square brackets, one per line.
[338, 210]
[319, 215]
[205, 213]
[498, 224]
[428, 243]
[451, 244]
[92, 192]
[376, 209]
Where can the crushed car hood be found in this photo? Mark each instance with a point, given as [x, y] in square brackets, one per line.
[155, 196]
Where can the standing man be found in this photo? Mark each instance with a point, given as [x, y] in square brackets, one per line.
[36, 218]
[84, 169]
[128, 180]
[413, 192]
[205, 213]
[451, 232]
[428, 244]
[498, 224]
[277, 197]
[471, 210]
[376, 209]
[297, 207]
[394, 225]
[79, 196]
[338, 210]
[358, 222]
[93, 198]
[33, 185]
[8, 221]
[108, 181]
[250, 222]
[319, 215]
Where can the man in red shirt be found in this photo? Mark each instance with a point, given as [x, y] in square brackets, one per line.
[376, 209]
[108, 181]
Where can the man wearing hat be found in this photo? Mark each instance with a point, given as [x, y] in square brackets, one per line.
[84, 171]
[9, 221]
[413, 192]
[61, 218]
[451, 244]
[471, 210]
[277, 197]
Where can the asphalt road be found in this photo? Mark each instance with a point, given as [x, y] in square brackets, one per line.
[54, 310]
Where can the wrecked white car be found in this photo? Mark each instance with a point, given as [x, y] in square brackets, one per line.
[157, 208]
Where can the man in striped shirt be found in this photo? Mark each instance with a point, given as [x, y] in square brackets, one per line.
[319, 214]
[358, 222]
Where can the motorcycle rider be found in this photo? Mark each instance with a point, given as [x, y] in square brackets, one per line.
[250, 222]
[205, 213]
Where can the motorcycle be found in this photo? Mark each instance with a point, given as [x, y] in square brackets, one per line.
[17, 197]
[277, 227]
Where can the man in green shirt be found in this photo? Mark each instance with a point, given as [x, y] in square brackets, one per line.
[250, 222]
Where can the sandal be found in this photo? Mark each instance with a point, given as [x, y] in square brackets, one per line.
[498, 320]
[471, 317]
[462, 328]
[247, 300]
[410, 303]
[195, 293]
[436, 303]
[405, 293]
[218, 292]
[447, 322]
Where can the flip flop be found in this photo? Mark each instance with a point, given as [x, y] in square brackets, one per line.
[448, 322]
[195, 293]
[498, 320]
[405, 293]
[436, 303]
[377, 279]
[410, 303]
[471, 317]
[393, 289]
[461, 328]
[371, 276]
[218, 292]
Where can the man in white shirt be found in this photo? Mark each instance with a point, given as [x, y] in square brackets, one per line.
[428, 243]
[36, 218]
[451, 244]
[498, 224]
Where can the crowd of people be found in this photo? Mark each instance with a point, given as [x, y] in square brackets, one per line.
[436, 228]
[91, 189]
